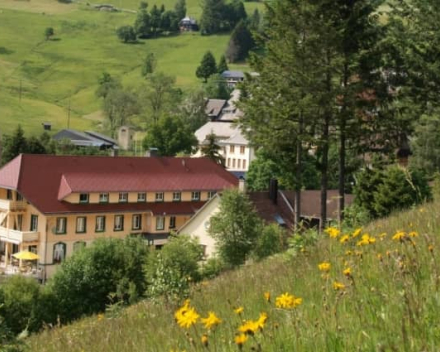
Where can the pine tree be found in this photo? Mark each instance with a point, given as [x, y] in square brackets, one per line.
[212, 16]
[240, 43]
[142, 25]
[149, 66]
[222, 65]
[211, 149]
[180, 9]
[207, 66]
[13, 145]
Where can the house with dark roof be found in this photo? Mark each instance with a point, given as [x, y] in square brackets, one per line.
[233, 77]
[54, 205]
[86, 139]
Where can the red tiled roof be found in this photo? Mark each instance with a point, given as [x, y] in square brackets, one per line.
[43, 179]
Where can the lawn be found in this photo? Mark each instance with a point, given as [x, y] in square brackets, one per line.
[39, 79]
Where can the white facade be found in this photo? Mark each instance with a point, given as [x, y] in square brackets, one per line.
[198, 226]
[235, 147]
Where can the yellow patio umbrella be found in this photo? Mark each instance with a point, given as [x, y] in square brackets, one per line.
[26, 255]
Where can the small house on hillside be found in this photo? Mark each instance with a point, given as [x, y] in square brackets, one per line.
[188, 24]
[233, 77]
[86, 139]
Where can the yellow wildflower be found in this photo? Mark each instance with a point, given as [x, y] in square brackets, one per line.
[344, 239]
[204, 340]
[100, 317]
[379, 256]
[348, 252]
[338, 285]
[211, 320]
[240, 340]
[324, 266]
[182, 310]
[267, 296]
[287, 300]
[413, 234]
[399, 236]
[347, 272]
[262, 320]
[249, 327]
[238, 310]
[333, 232]
[357, 232]
[366, 240]
[431, 248]
[188, 318]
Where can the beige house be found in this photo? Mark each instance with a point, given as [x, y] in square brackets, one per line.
[54, 205]
[198, 226]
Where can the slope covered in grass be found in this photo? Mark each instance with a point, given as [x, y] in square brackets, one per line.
[54, 74]
[388, 300]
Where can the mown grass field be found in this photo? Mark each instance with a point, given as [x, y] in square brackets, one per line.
[388, 300]
[54, 74]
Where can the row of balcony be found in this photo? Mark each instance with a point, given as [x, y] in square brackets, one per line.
[12, 205]
[17, 236]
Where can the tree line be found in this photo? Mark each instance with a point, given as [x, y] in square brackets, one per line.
[339, 81]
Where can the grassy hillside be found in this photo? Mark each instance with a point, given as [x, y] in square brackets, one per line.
[388, 300]
[49, 74]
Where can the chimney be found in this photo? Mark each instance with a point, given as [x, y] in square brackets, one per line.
[273, 190]
[242, 184]
[152, 152]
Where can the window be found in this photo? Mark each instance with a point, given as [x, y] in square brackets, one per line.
[34, 223]
[177, 196]
[238, 163]
[103, 197]
[19, 196]
[59, 252]
[61, 226]
[195, 196]
[18, 225]
[244, 164]
[159, 197]
[232, 149]
[84, 198]
[233, 163]
[136, 222]
[8, 194]
[211, 194]
[100, 224]
[123, 197]
[160, 223]
[242, 149]
[142, 197]
[81, 224]
[172, 222]
[229, 162]
[77, 246]
[119, 223]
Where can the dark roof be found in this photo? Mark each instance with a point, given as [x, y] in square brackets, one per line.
[271, 212]
[214, 107]
[87, 139]
[44, 180]
[233, 74]
[311, 202]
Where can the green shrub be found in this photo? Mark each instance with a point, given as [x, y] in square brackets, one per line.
[83, 284]
[272, 240]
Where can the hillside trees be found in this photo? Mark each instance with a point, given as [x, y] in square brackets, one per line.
[326, 59]
[118, 106]
[180, 9]
[222, 65]
[149, 64]
[218, 16]
[170, 135]
[240, 43]
[126, 34]
[207, 66]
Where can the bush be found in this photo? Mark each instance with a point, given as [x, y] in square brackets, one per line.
[126, 34]
[170, 270]
[379, 192]
[212, 268]
[83, 284]
[25, 305]
[271, 241]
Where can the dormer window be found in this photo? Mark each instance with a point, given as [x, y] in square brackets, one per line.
[84, 198]
[159, 197]
[177, 196]
[142, 197]
[195, 196]
[103, 198]
[123, 197]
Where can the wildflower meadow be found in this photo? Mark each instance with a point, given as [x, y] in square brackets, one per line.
[374, 288]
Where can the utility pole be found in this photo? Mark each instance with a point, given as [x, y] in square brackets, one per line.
[19, 93]
[68, 115]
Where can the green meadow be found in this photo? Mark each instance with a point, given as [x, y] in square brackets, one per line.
[369, 289]
[40, 79]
